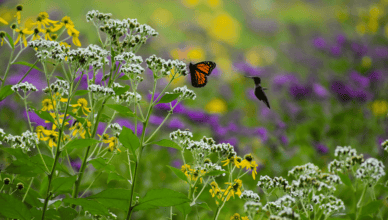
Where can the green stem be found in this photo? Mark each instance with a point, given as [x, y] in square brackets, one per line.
[29, 70]
[7, 70]
[359, 207]
[220, 207]
[28, 189]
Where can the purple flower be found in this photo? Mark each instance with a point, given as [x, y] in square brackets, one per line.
[344, 92]
[319, 90]
[285, 79]
[100, 128]
[124, 122]
[263, 133]
[197, 115]
[233, 127]
[156, 120]
[321, 148]
[84, 81]
[281, 125]
[220, 130]
[284, 140]
[359, 49]
[359, 80]
[176, 123]
[363, 96]
[76, 164]
[376, 76]
[251, 94]
[341, 39]
[213, 120]
[299, 91]
[247, 69]
[336, 50]
[180, 108]
[177, 164]
[232, 141]
[319, 42]
[381, 52]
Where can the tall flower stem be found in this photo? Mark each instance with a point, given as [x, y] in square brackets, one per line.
[7, 70]
[360, 201]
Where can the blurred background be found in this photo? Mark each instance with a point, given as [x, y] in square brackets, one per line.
[324, 64]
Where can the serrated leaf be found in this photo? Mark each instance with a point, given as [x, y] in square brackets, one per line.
[67, 213]
[129, 140]
[10, 40]
[114, 176]
[13, 208]
[345, 179]
[178, 173]
[91, 206]
[80, 143]
[168, 98]
[161, 198]
[100, 163]
[121, 109]
[215, 173]
[371, 208]
[63, 183]
[28, 64]
[81, 92]
[113, 198]
[167, 143]
[121, 90]
[5, 91]
[184, 208]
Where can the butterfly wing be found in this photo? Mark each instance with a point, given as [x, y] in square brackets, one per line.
[261, 96]
[199, 71]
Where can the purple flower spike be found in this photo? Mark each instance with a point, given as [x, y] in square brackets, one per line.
[283, 80]
[177, 164]
[35, 119]
[232, 141]
[247, 69]
[263, 133]
[300, 91]
[176, 123]
[101, 127]
[321, 148]
[156, 120]
[76, 164]
[320, 91]
[197, 116]
[344, 93]
[123, 122]
[336, 50]
[284, 140]
[341, 39]
[359, 80]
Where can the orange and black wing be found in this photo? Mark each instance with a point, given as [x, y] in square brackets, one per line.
[199, 72]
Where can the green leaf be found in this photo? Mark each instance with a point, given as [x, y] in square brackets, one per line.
[100, 163]
[91, 206]
[80, 143]
[129, 140]
[10, 40]
[32, 198]
[184, 208]
[179, 173]
[28, 64]
[215, 173]
[124, 78]
[113, 198]
[121, 109]
[204, 205]
[168, 98]
[17, 152]
[5, 91]
[60, 77]
[61, 184]
[121, 90]
[82, 120]
[345, 179]
[114, 176]
[161, 198]
[13, 208]
[104, 118]
[371, 208]
[81, 92]
[44, 115]
[167, 143]
[67, 213]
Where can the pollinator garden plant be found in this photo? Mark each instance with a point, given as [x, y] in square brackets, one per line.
[38, 179]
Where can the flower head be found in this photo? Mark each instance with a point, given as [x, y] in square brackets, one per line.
[81, 105]
[22, 32]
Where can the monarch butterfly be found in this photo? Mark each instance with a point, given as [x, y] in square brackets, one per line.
[199, 71]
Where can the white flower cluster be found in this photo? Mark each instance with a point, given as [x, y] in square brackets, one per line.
[330, 178]
[288, 213]
[93, 56]
[146, 30]
[115, 27]
[49, 50]
[347, 158]
[128, 98]
[249, 195]
[180, 137]
[26, 141]
[209, 166]
[25, 86]
[115, 127]
[371, 171]
[328, 204]
[101, 90]
[185, 93]
[265, 183]
[98, 15]
[59, 86]
[129, 57]
[132, 69]
[2, 134]
[252, 207]
[385, 145]
[345, 152]
[156, 63]
[307, 169]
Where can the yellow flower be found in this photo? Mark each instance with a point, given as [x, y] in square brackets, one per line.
[22, 35]
[113, 142]
[43, 20]
[245, 218]
[215, 190]
[254, 169]
[57, 96]
[185, 168]
[75, 34]
[216, 105]
[190, 3]
[18, 15]
[224, 27]
[47, 105]
[361, 28]
[78, 129]
[379, 107]
[3, 21]
[66, 21]
[234, 159]
[53, 115]
[196, 53]
[36, 34]
[2, 35]
[233, 189]
[236, 216]
[373, 25]
[366, 62]
[39, 131]
[47, 33]
[52, 137]
[83, 105]
[246, 163]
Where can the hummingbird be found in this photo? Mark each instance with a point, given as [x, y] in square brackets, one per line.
[259, 91]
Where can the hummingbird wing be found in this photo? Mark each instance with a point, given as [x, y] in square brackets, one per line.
[261, 95]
